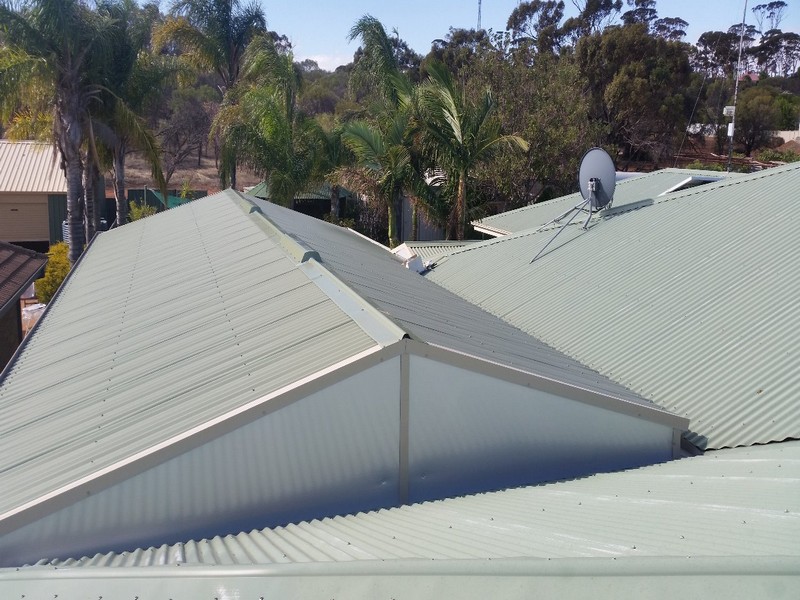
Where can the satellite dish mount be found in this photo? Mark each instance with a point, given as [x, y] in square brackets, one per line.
[597, 179]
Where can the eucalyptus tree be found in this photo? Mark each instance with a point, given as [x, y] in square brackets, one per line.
[47, 46]
[213, 35]
[460, 134]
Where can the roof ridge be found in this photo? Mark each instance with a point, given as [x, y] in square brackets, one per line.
[372, 321]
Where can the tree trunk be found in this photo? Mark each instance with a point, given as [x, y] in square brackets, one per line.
[74, 205]
[335, 208]
[392, 225]
[462, 206]
[88, 197]
[119, 185]
[414, 220]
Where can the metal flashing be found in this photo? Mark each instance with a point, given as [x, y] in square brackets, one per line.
[374, 323]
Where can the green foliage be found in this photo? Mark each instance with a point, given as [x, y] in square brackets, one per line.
[140, 210]
[788, 156]
[54, 273]
[699, 165]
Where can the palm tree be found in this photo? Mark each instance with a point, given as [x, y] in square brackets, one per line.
[47, 45]
[385, 168]
[131, 75]
[213, 35]
[459, 135]
[261, 120]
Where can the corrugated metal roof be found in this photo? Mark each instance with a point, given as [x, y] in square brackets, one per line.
[431, 313]
[692, 301]
[435, 250]
[735, 502]
[18, 266]
[165, 325]
[30, 167]
[627, 192]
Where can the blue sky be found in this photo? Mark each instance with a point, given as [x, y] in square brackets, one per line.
[318, 28]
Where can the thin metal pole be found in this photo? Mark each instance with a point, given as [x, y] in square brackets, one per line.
[736, 89]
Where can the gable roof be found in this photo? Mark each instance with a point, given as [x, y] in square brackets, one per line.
[178, 329]
[30, 167]
[691, 301]
[627, 192]
[18, 268]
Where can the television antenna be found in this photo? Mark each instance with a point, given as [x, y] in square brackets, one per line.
[597, 179]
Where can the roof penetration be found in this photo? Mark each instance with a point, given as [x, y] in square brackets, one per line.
[735, 502]
[691, 301]
[30, 167]
[629, 192]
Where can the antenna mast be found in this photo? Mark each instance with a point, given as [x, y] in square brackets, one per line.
[479, 15]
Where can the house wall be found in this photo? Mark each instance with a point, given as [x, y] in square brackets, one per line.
[24, 218]
[332, 452]
[469, 432]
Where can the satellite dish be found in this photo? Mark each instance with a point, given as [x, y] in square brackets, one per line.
[597, 179]
[597, 167]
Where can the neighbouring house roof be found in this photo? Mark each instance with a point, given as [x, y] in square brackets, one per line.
[18, 268]
[30, 167]
[733, 502]
[178, 329]
[322, 192]
[628, 192]
[690, 299]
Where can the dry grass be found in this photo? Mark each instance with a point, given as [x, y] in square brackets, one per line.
[204, 177]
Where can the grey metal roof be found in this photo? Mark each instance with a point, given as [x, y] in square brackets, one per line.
[30, 167]
[628, 191]
[727, 503]
[166, 325]
[692, 301]
[429, 312]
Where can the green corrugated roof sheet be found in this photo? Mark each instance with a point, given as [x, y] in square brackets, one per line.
[692, 301]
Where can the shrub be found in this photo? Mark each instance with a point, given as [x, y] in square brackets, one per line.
[54, 273]
[776, 156]
[140, 211]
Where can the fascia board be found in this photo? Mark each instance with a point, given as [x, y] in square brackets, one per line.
[523, 378]
[193, 438]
